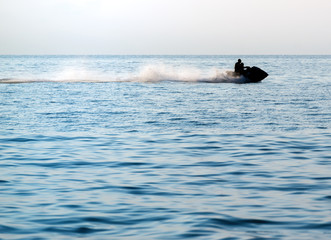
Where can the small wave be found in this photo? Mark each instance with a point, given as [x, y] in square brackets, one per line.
[18, 80]
[146, 74]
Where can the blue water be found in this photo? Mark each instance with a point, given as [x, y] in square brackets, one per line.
[145, 147]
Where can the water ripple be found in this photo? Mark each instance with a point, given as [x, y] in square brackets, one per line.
[170, 160]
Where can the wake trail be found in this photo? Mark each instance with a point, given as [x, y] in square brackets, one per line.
[146, 74]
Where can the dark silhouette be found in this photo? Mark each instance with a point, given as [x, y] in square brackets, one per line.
[239, 67]
[253, 74]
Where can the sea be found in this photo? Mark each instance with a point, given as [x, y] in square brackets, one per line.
[164, 147]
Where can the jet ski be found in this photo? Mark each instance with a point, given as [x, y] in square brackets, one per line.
[251, 74]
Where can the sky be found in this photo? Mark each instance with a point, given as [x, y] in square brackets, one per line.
[165, 27]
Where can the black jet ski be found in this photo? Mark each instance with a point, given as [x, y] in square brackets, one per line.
[255, 74]
[251, 74]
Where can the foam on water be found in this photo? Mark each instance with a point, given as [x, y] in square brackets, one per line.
[151, 73]
[159, 73]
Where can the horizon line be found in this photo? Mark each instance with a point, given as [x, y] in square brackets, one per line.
[68, 54]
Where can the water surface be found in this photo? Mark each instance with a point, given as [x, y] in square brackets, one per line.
[140, 147]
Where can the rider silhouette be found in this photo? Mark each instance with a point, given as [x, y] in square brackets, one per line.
[239, 67]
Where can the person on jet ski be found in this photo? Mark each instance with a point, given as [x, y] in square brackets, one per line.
[239, 67]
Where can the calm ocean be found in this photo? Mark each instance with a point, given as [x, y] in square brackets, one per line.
[164, 147]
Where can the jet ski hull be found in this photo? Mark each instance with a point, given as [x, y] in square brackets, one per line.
[255, 74]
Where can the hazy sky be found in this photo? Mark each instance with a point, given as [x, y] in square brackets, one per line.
[165, 26]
